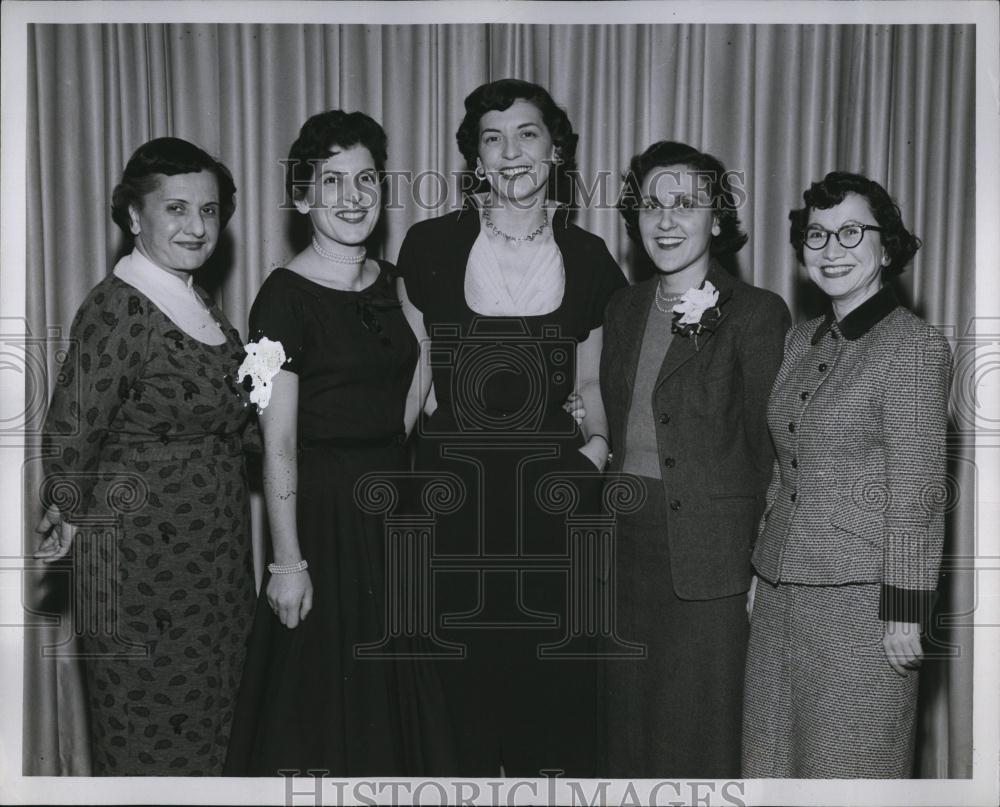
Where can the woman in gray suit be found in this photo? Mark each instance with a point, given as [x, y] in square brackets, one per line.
[851, 543]
[688, 361]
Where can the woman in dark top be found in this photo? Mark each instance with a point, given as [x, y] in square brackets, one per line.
[335, 413]
[512, 298]
[144, 459]
[688, 361]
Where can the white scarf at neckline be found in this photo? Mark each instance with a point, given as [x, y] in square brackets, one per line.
[174, 296]
[540, 291]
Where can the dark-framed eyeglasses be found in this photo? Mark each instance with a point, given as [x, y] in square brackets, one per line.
[848, 236]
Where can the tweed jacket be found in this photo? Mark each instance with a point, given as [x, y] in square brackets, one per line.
[709, 404]
[859, 416]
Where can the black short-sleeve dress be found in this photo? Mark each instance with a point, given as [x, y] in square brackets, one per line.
[144, 437]
[307, 701]
[523, 696]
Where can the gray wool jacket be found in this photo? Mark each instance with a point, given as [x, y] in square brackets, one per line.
[859, 417]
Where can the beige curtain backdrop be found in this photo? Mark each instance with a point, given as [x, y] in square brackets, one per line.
[781, 104]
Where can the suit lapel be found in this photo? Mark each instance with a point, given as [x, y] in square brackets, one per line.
[684, 348]
[633, 328]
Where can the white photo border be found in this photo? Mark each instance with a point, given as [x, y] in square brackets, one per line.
[982, 789]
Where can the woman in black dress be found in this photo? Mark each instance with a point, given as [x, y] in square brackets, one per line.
[512, 297]
[144, 460]
[332, 413]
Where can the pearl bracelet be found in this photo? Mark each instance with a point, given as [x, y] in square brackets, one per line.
[287, 568]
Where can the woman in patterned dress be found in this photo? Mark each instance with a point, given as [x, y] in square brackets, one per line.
[850, 548]
[145, 479]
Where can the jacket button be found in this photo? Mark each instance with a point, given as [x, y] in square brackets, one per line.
[669, 462]
[794, 495]
[795, 463]
[675, 505]
[791, 427]
[804, 395]
[822, 367]
[664, 418]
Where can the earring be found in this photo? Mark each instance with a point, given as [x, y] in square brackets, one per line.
[480, 176]
[716, 230]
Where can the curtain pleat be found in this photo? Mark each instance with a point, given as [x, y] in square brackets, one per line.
[779, 104]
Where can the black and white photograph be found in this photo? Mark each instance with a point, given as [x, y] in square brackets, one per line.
[500, 403]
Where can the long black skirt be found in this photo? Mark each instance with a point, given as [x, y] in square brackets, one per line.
[309, 699]
[522, 696]
[677, 712]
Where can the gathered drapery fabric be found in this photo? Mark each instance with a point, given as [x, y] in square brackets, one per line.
[780, 105]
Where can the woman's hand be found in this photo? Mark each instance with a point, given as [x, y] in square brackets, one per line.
[574, 405]
[290, 597]
[58, 538]
[901, 641]
[596, 450]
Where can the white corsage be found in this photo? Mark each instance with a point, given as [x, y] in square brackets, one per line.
[696, 302]
[697, 310]
[262, 362]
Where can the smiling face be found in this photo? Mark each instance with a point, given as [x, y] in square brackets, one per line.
[848, 276]
[676, 222]
[516, 151]
[177, 225]
[343, 203]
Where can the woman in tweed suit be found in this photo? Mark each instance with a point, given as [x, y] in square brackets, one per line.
[851, 543]
[685, 405]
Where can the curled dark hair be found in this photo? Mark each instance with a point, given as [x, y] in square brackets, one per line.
[500, 95]
[167, 156]
[726, 194]
[320, 135]
[899, 243]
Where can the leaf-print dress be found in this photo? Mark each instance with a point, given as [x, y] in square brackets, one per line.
[144, 453]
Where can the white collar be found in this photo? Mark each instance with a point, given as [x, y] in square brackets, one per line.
[176, 297]
[156, 274]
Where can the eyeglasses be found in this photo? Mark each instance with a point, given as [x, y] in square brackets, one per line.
[848, 236]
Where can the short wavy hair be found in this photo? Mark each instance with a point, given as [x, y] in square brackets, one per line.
[167, 156]
[500, 95]
[666, 153]
[899, 243]
[320, 135]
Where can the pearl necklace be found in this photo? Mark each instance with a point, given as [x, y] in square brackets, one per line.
[668, 299]
[516, 239]
[337, 257]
